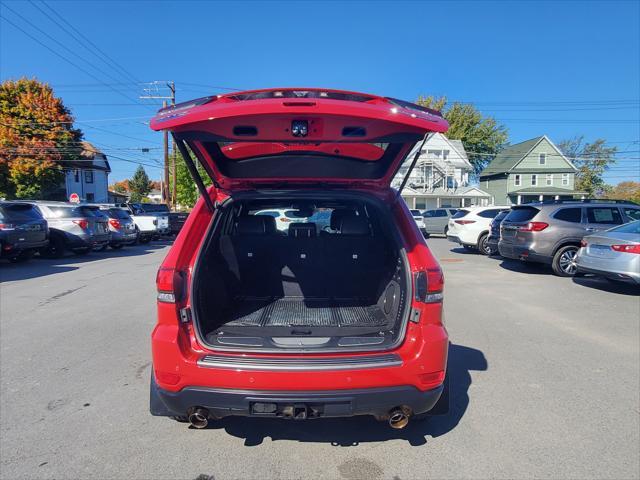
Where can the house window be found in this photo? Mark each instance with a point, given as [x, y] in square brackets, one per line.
[76, 175]
[90, 197]
[534, 180]
[549, 180]
[88, 176]
[517, 180]
[565, 179]
[542, 158]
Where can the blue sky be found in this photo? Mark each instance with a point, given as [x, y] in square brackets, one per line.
[556, 68]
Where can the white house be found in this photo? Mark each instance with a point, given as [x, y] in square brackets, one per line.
[440, 177]
[89, 176]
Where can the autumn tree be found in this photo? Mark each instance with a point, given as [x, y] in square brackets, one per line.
[36, 139]
[139, 185]
[628, 190]
[592, 160]
[482, 136]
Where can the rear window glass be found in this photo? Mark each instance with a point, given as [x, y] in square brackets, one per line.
[154, 207]
[631, 227]
[573, 215]
[501, 215]
[70, 212]
[604, 215]
[632, 213]
[118, 213]
[521, 214]
[460, 214]
[491, 213]
[19, 212]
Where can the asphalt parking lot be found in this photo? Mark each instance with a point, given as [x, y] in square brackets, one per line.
[544, 378]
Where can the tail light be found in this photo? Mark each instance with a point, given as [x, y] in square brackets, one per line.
[7, 226]
[115, 223]
[629, 248]
[533, 227]
[83, 224]
[583, 243]
[170, 284]
[429, 285]
[464, 222]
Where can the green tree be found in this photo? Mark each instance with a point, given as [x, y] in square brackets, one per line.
[482, 136]
[186, 190]
[140, 185]
[592, 160]
[37, 138]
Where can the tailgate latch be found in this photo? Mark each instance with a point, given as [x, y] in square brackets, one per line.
[185, 315]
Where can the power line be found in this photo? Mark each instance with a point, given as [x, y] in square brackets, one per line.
[59, 55]
[106, 58]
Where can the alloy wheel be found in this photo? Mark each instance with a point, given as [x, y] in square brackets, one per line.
[567, 261]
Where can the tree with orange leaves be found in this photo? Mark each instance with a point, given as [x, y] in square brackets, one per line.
[37, 137]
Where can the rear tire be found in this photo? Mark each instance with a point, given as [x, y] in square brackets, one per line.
[144, 239]
[483, 246]
[564, 261]
[55, 249]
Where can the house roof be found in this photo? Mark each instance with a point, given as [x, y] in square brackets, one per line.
[457, 144]
[510, 156]
[89, 152]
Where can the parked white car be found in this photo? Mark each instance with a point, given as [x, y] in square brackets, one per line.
[284, 217]
[419, 219]
[148, 225]
[470, 227]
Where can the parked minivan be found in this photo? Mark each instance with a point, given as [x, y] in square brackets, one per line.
[320, 322]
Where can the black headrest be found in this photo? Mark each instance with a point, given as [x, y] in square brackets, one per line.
[352, 225]
[252, 225]
[269, 224]
[302, 230]
[336, 217]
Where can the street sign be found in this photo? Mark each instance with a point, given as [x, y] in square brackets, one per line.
[74, 198]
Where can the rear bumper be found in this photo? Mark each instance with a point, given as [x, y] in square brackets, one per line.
[631, 277]
[123, 238]
[331, 403]
[520, 252]
[11, 248]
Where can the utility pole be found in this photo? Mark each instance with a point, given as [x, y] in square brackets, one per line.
[174, 194]
[152, 91]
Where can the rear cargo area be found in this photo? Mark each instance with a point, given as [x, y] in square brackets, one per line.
[333, 278]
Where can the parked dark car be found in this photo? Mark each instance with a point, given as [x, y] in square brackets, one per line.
[494, 232]
[551, 232]
[23, 231]
[72, 227]
[121, 226]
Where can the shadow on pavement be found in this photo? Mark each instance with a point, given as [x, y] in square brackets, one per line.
[347, 432]
[39, 267]
[465, 251]
[530, 268]
[605, 285]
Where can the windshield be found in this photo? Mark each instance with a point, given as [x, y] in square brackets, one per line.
[154, 207]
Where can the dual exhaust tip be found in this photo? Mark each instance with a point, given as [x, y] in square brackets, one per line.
[398, 417]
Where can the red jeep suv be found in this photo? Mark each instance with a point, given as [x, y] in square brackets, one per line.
[300, 286]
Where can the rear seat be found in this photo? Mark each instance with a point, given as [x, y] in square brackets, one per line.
[302, 271]
[354, 259]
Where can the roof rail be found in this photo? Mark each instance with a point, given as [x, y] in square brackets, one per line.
[587, 200]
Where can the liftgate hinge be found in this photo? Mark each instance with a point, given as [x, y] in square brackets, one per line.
[185, 315]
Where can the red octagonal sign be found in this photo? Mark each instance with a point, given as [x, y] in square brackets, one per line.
[74, 198]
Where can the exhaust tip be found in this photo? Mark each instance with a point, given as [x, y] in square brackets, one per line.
[199, 417]
[399, 417]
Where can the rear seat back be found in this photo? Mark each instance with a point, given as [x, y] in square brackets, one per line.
[354, 258]
[302, 273]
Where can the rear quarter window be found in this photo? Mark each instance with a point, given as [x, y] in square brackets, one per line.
[491, 213]
[460, 214]
[632, 213]
[573, 215]
[604, 215]
[518, 215]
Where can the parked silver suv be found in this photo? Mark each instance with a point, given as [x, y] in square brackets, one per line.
[73, 227]
[550, 232]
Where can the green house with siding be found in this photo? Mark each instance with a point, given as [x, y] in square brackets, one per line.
[530, 171]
